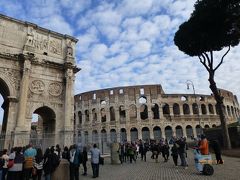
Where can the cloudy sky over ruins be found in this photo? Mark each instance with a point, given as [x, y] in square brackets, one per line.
[126, 42]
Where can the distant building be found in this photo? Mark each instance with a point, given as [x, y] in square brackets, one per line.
[146, 112]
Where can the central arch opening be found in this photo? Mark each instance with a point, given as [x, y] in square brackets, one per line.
[43, 127]
[4, 108]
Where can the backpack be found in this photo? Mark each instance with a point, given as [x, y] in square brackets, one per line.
[55, 161]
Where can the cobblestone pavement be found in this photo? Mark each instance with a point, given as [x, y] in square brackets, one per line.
[150, 170]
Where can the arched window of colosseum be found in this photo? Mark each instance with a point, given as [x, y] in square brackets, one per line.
[201, 98]
[94, 96]
[74, 120]
[112, 114]
[113, 135]
[145, 134]
[95, 136]
[236, 112]
[142, 100]
[204, 109]
[103, 102]
[80, 117]
[155, 111]
[189, 131]
[103, 115]
[168, 132]
[94, 115]
[199, 130]
[122, 113]
[134, 134]
[179, 131]
[86, 137]
[86, 115]
[186, 109]
[103, 136]
[123, 135]
[120, 91]
[184, 98]
[157, 133]
[144, 111]
[133, 111]
[210, 109]
[176, 109]
[228, 111]
[165, 109]
[195, 108]
[206, 126]
[142, 91]
[214, 125]
[232, 111]
[111, 92]
[80, 98]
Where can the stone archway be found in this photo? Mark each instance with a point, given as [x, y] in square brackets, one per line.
[168, 132]
[44, 133]
[157, 133]
[133, 134]
[7, 101]
[145, 134]
[37, 67]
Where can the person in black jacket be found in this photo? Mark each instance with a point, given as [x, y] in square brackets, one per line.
[217, 150]
[66, 154]
[84, 160]
[50, 163]
[174, 154]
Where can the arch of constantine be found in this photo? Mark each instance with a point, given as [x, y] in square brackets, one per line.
[146, 112]
[37, 71]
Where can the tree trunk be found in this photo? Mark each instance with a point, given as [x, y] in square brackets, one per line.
[220, 108]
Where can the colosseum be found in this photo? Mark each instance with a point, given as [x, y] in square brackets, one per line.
[146, 112]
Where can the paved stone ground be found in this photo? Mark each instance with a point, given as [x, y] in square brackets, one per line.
[150, 170]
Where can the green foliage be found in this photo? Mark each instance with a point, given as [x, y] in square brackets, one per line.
[213, 25]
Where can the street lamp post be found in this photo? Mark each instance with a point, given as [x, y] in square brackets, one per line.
[189, 82]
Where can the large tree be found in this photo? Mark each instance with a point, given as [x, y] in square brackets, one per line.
[212, 26]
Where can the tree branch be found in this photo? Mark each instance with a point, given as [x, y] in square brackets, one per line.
[203, 61]
[211, 64]
[208, 59]
[219, 64]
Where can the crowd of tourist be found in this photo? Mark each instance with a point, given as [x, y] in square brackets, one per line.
[25, 163]
[128, 152]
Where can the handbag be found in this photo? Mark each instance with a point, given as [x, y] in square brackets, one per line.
[10, 163]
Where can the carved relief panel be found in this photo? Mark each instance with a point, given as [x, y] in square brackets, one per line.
[12, 75]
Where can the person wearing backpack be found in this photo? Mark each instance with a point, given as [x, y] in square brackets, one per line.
[38, 165]
[29, 155]
[15, 169]
[50, 163]
[75, 161]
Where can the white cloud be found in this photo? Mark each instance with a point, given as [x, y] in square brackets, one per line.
[58, 24]
[141, 48]
[135, 7]
[98, 52]
[127, 42]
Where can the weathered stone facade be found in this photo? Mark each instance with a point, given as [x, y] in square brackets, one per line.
[143, 112]
[37, 71]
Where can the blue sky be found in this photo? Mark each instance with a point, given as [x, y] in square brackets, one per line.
[127, 42]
